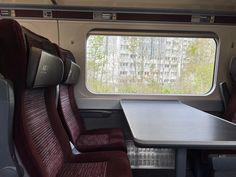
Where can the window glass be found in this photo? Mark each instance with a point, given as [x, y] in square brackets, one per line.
[122, 64]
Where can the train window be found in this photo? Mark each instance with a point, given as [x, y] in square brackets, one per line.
[150, 64]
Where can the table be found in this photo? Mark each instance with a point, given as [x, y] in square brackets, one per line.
[176, 125]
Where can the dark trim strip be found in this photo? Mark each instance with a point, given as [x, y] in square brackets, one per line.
[225, 19]
[131, 16]
[153, 17]
[29, 13]
[73, 15]
[155, 10]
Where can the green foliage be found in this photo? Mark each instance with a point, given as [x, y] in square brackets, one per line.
[195, 70]
[197, 76]
[98, 87]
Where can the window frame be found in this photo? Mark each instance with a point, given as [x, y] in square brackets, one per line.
[157, 33]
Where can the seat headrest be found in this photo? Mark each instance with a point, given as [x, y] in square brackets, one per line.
[71, 73]
[233, 68]
[27, 59]
[43, 69]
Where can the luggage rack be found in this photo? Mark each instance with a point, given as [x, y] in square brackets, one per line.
[150, 158]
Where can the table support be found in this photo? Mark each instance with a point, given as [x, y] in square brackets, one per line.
[180, 162]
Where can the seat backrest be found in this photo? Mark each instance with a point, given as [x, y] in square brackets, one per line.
[225, 95]
[232, 69]
[8, 162]
[67, 106]
[230, 111]
[30, 62]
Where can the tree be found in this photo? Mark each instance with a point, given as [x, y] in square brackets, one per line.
[197, 75]
[96, 62]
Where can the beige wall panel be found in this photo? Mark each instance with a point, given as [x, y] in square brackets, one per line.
[213, 5]
[73, 36]
[46, 28]
[43, 2]
[160, 4]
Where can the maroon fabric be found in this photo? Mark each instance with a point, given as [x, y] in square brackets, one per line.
[114, 132]
[73, 126]
[38, 134]
[97, 169]
[109, 164]
[13, 65]
[44, 145]
[13, 53]
[90, 140]
[117, 162]
[56, 123]
[100, 140]
[84, 140]
[32, 130]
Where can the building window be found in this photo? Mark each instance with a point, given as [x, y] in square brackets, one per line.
[150, 65]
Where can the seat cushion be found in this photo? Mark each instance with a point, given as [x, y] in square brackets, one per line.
[97, 169]
[113, 132]
[69, 113]
[101, 140]
[99, 164]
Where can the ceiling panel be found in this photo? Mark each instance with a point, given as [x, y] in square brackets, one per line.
[203, 5]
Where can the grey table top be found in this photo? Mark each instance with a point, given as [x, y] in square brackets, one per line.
[174, 124]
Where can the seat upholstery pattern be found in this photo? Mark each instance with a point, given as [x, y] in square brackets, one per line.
[50, 155]
[113, 133]
[93, 138]
[73, 126]
[41, 142]
[117, 162]
[99, 139]
[97, 169]
[84, 140]
[13, 64]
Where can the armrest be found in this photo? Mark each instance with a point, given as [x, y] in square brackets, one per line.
[95, 113]
[224, 162]
[8, 172]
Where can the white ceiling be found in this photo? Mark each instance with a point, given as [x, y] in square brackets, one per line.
[211, 5]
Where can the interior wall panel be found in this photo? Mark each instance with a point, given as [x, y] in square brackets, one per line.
[73, 35]
[203, 5]
[46, 28]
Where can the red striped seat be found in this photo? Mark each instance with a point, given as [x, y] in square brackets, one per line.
[30, 62]
[84, 140]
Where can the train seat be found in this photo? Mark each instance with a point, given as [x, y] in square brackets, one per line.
[225, 96]
[230, 109]
[84, 140]
[30, 62]
[9, 166]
